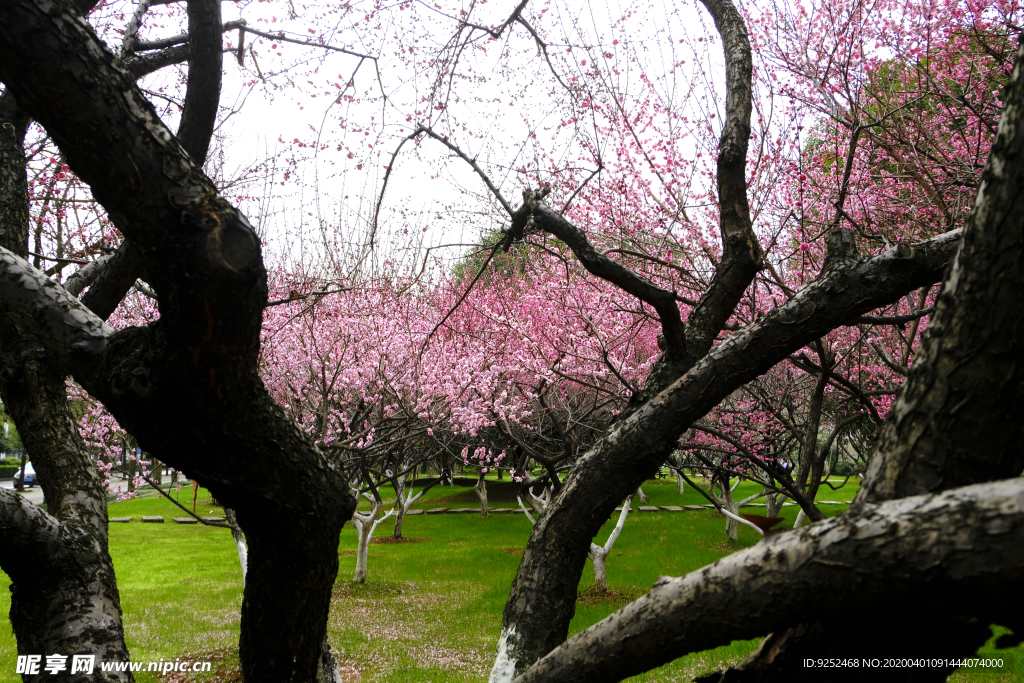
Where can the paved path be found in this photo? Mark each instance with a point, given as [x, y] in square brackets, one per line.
[34, 494]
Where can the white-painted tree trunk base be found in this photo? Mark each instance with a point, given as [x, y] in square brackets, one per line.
[481, 493]
[599, 556]
[504, 669]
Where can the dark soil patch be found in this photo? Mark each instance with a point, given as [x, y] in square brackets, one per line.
[721, 546]
[497, 492]
[375, 553]
[514, 551]
[384, 540]
[343, 589]
[612, 596]
[224, 668]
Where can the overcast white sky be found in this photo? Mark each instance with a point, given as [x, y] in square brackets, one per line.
[498, 98]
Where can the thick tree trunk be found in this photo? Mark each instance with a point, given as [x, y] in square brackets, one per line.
[61, 570]
[58, 562]
[292, 565]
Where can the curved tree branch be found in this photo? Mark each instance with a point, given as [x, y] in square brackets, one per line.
[44, 310]
[967, 544]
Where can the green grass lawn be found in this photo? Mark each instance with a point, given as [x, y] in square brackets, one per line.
[431, 607]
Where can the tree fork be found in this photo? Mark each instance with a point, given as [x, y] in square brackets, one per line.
[542, 601]
[205, 263]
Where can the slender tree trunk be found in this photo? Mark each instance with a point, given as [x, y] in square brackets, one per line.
[727, 501]
[599, 558]
[399, 484]
[773, 503]
[680, 482]
[398, 523]
[362, 552]
[365, 526]
[801, 519]
[239, 537]
[132, 464]
[599, 554]
[810, 446]
[481, 493]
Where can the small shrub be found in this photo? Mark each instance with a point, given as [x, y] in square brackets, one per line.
[845, 468]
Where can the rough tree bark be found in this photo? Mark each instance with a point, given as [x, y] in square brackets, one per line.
[889, 553]
[205, 263]
[958, 420]
[80, 574]
[58, 562]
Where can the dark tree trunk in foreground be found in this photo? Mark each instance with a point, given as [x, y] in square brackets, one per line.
[951, 557]
[60, 569]
[58, 562]
[196, 366]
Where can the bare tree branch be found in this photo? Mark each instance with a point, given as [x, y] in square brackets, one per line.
[443, 139]
[84, 276]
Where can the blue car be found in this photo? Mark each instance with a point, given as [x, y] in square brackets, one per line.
[30, 475]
